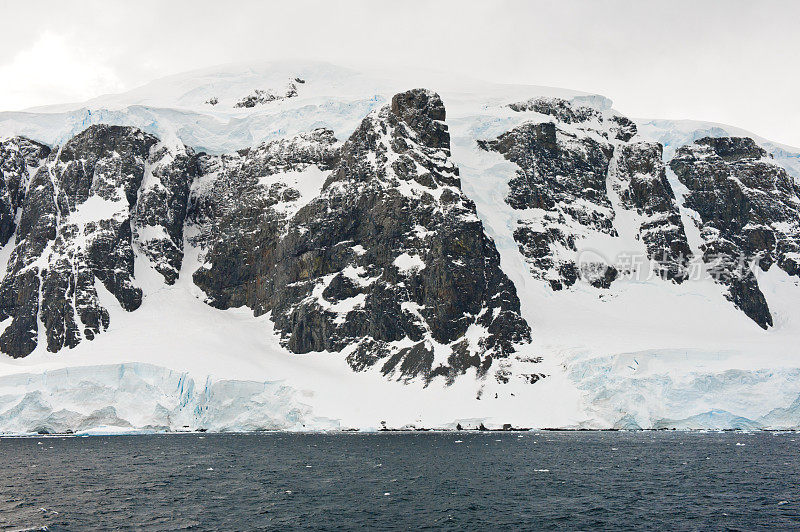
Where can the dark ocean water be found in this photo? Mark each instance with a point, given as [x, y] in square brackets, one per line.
[439, 481]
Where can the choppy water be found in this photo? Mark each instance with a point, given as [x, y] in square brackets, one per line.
[440, 481]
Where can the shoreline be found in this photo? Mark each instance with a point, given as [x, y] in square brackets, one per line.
[145, 432]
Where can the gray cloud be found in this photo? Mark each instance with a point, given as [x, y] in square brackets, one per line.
[726, 61]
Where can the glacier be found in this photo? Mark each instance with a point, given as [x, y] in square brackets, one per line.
[143, 397]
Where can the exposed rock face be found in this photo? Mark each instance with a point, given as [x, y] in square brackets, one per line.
[241, 207]
[563, 176]
[561, 189]
[622, 128]
[750, 211]
[559, 108]
[389, 264]
[639, 178]
[75, 229]
[619, 127]
[260, 96]
[19, 157]
[370, 248]
[161, 207]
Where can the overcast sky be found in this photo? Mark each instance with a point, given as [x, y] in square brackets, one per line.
[729, 61]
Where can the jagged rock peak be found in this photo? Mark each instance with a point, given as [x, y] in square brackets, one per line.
[404, 141]
[418, 102]
[28, 150]
[99, 140]
[420, 109]
[389, 265]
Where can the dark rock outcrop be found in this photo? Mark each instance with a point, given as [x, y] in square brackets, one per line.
[639, 178]
[75, 229]
[563, 175]
[566, 112]
[389, 263]
[749, 211]
[261, 96]
[19, 157]
[559, 108]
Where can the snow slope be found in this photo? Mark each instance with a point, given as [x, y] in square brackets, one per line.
[645, 354]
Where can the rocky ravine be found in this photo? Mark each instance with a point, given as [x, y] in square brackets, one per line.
[369, 247]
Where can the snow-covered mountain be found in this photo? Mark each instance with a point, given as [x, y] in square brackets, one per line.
[302, 247]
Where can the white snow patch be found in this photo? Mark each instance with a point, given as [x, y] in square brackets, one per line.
[96, 208]
[407, 263]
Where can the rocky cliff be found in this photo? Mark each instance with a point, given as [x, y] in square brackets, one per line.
[368, 246]
[389, 263]
[572, 165]
[86, 209]
[749, 213]
[301, 246]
